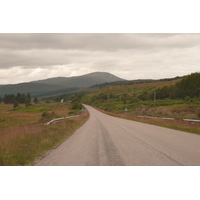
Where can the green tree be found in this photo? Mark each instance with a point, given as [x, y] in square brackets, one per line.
[75, 98]
[28, 99]
[134, 99]
[144, 96]
[18, 97]
[189, 86]
[9, 98]
[76, 105]
[5, 99]
[23, 98]
[36, 100]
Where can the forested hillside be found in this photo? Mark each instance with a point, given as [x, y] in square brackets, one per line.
[187, 87]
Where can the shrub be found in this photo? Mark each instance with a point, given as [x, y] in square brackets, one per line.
[48, 114]
[134, 100]
[76, 106]
[16, 104]
[188, 99]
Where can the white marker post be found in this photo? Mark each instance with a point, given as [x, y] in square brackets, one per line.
[82, 110]
[126, 110]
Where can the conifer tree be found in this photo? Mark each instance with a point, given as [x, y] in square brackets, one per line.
[28, 98]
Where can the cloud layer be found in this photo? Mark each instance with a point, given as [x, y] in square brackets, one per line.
[27, 57]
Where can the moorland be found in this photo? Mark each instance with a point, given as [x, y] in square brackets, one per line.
[24, 135]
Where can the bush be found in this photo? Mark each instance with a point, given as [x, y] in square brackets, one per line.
[134, 100]
[188, 99]
[49, 115]
[76, 106]
[16, 104]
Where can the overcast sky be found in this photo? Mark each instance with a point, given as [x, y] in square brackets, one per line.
[27, 57]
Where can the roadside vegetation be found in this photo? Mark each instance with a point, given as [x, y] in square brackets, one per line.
[178, 99]
[24, 135]
[173, 124]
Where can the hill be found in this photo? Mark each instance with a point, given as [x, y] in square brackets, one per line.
[171, 98]
[134, 87]
[172, 103]
[82, 81]
[58, 85]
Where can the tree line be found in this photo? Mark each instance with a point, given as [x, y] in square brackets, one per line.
[187, 87]
[19, 98]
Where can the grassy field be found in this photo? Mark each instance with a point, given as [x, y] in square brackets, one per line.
[23, 135]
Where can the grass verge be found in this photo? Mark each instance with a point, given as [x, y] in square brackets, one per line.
[175, 124]
[21, 145]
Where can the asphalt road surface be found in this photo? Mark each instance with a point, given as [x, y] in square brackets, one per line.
[109, 141]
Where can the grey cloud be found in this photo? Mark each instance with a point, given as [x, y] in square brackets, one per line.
[95, 41]
[126, 55]
[42, 58]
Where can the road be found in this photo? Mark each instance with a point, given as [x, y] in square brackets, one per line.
[109, 141]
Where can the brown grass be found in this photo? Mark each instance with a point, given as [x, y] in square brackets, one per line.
[173, 111]
[22, 144]
[173, 124]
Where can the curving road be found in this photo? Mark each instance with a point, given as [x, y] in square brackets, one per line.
[106, 141]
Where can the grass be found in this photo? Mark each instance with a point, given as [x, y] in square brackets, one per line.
[178, 109]
[167, 108]
[21, 115]
[176, 124]
[11, 118]
[21, 143]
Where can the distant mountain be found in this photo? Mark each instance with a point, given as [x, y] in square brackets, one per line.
[82, 81]
[58, 85]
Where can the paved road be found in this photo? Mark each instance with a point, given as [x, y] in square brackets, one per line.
[106, 141]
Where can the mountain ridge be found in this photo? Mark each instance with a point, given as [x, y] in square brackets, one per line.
[98, 76]
[58, 84]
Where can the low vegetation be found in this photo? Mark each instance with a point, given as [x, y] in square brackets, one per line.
[173, 124]
[23, 135]
[178, 99]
